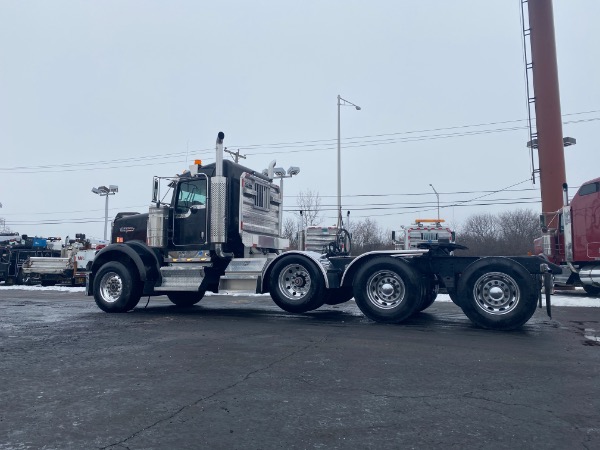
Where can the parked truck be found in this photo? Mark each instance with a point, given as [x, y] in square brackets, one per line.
[571, 239]
[219, 231]
[70, 267]
[14, 255]
[422, 231]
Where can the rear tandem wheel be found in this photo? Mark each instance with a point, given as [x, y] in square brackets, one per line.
[296, 284]
[498, 293]
[388, 290]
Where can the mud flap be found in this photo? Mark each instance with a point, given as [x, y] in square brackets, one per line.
[548, 285]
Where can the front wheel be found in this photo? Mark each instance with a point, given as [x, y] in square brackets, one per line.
[296, 285]
[185, 299]
[498, 293]
[115, 288]
[387, 290]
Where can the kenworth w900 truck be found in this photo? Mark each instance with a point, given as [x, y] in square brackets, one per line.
[220, 231]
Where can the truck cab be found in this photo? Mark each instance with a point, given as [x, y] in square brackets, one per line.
[243, 214]
[215, 227]
[573, 239]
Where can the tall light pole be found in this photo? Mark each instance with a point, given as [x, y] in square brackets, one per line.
[438, 201]
[340, 102]
[279, 172]
[104, 191]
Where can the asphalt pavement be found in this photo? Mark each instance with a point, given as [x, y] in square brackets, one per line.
[235, 372]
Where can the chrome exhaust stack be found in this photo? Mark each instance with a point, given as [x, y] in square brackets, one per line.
[218, 202]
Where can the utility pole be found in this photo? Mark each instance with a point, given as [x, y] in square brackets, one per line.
[236, 155]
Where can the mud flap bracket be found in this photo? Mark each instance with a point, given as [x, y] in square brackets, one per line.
[548, 285]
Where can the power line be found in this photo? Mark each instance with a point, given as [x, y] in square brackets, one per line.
[396, 211]
[299, 146]
[415, 131]
[417, 210]
[373, 207]
[134, 207]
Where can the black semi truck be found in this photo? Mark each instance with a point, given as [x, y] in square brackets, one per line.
[219, 231]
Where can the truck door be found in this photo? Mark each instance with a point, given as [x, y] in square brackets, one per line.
[190, 217]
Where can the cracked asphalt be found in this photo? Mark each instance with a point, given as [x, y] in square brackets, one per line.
[238, 373]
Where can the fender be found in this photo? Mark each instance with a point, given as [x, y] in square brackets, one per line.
[142, 256]
[313, 256]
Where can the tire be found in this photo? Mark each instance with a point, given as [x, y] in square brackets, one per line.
[296, 285]
[338, 296]
[185, 299]
[497, 293]
[388, 290]
[430, 294]
[592, 291]
[116, 290]
[48, 283]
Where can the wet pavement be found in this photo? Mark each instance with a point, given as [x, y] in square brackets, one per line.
[237, 372]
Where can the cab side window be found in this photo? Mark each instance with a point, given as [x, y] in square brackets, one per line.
[588, 189]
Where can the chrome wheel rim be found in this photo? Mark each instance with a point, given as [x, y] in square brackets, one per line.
[496, 293]
[294, 282]
[385, 289]
[111, 287]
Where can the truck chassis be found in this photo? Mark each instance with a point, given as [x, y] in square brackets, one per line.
[388, 286]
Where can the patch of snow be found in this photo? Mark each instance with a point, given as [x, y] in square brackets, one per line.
[42, 288]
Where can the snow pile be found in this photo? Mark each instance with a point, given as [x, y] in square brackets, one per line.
[42, 288]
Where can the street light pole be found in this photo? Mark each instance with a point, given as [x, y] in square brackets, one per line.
[438, 201]
[104, 191]
[279, 172]
[105, 215]
[339, 156]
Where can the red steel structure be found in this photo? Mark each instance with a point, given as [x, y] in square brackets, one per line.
[547, 107]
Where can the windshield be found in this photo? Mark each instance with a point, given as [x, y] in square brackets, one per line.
[192, 192]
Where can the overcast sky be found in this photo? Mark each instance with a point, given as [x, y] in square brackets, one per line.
[113, 92]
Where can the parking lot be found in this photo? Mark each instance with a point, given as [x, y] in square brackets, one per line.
[237, 372]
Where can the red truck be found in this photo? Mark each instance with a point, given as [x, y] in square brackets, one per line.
[572, 239]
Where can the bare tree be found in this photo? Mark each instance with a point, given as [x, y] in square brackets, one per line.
[3, 227]
[309, 202]
[508, 233]
[367, 236]
[481, 234]
[518, 229]
[290, 231]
